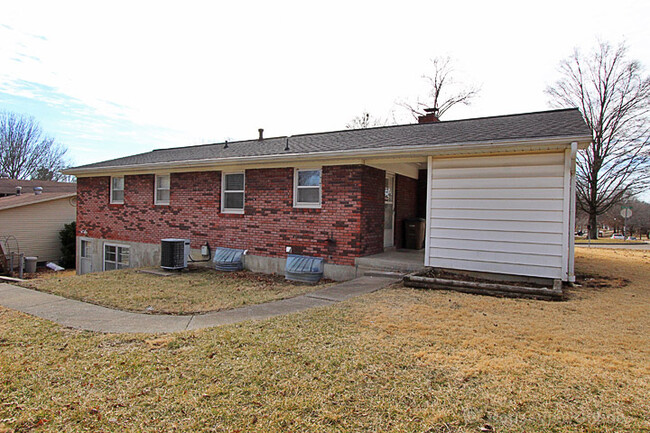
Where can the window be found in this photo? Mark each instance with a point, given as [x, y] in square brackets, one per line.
[115, 257]
[85, 249]
[307, 188]
[117, 190]
[162, 189]
[232, 197]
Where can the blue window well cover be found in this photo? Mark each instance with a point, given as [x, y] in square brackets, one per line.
[304, 268]
[228, 259]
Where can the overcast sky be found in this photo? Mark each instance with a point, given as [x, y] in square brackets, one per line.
[116, 78]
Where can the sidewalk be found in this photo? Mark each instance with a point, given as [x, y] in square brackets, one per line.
[81, 315]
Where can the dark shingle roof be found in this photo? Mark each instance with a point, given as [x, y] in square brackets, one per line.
[545, 124]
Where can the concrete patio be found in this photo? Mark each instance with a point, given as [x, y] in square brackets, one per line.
[392, 262]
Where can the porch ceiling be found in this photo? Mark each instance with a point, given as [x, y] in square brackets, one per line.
[408, 169]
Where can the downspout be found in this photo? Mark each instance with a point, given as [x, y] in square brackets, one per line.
[572, 212]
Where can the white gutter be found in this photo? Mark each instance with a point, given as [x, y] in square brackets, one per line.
[385, 152]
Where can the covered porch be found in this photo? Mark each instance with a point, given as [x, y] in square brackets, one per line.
[496, 213]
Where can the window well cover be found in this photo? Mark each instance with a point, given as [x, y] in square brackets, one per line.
[228, 259]
[304, 268]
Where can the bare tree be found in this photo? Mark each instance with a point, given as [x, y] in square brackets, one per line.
[637, 224]
[26, 152]
[444, 91]
[614, 97]
[365, 120]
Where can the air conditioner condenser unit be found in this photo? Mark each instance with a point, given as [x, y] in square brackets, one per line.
[174, 253]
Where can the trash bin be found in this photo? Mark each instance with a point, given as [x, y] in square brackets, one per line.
[30, 264]
[414, 230]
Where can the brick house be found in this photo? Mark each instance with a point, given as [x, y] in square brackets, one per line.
[497, 195]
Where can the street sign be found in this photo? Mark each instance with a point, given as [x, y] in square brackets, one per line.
[626, 212]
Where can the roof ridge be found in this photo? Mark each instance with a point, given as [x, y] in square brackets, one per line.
[545, 123]
[217, 143]
[437, 123]
[364, 129]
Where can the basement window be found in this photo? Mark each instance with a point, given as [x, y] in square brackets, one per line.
[307, 188]
[232, 192]
[116, 257]
[117, 190]
[162, 189]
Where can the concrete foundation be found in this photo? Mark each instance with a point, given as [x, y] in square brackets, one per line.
[148, 255]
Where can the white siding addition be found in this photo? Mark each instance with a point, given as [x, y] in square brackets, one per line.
[501, 214]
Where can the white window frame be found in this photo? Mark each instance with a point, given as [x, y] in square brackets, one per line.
[114, 201]
[224, 209]
[296, 187]
[85, 253]
[156, 188]
[107, 244]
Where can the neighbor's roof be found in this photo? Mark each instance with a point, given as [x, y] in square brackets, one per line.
[8, 186]
[28, 199]
[565, 123]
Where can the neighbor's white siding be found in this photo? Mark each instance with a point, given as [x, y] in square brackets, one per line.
[36, 227]
[502, 214]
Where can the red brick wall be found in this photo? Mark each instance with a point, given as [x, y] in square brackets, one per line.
[406, 205]
[372, 225]
[349, 224]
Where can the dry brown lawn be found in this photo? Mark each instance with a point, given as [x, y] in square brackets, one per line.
[198, 291]
[403, 360]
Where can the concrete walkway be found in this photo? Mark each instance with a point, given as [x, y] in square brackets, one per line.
[81, 315]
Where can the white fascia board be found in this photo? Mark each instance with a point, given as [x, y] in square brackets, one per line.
[343, 155]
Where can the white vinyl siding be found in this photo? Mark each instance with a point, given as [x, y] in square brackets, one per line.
[36, 226]
[501, 214]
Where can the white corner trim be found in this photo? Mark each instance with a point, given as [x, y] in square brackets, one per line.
[427, 239]
[572, 209]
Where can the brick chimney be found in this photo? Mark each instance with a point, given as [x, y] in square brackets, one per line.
[430, 117]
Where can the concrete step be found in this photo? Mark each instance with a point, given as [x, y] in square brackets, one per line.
[388, 266]
[369, 272]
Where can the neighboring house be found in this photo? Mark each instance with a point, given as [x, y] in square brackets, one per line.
[8, 186]
[498, 195]
[35, 220]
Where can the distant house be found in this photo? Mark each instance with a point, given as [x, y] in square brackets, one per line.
[8, 187]
[35, 218]
[497, 195]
